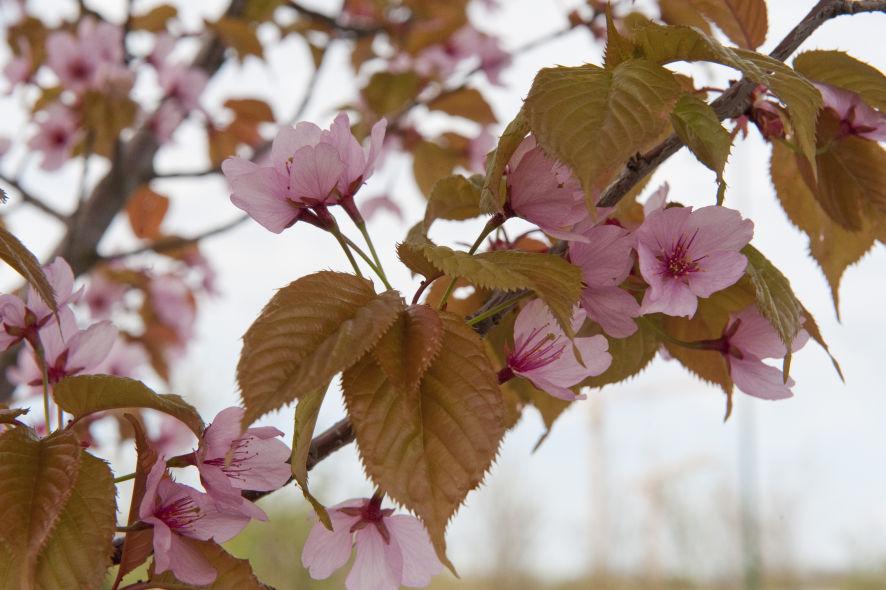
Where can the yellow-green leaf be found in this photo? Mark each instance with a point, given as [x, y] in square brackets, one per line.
[464, 102]
[698, 126]
[682, 12]
[493, 194]
[79, 550]
[430, 163]
[618, 47]
[454, 197]
[448, 429]
[775, 298]
[387, 94]
[22, 261]
[82, 395]
[232, 573]
[306, 412]
[745, 22]
[310, 330]
[594, 120]
[37, 477]
[629, 355]
[840, 69]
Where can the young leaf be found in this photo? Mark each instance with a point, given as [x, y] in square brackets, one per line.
[82, 395]
[629, 355]
[698, 126]
[146, 210]
[833, 247]
[232, 573]
[79, 550]
[618, 48]
[407, 349]
[840, 69]
[306, 412]
[453, 197]
[154, 20]
[745, 22]
[552, 279]
[492, 197]
[775, 298]
[464, 102]
[37, 477]
[16, 255]
[594, 120]
[812, 328]
[387, 93]
[682, 12]
[448, 428]
[310, 330]
[239, 35]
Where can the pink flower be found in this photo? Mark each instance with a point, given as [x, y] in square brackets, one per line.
[19, 69]
[183, 84]
[657, 200]
[176, 510]
[856, 117]
[102, 294]
[125, 359]
[84, 61]
[68, 350]
[470, 42]
[21, 319]
[545, 192]
[56, 136]
[546, 356]
[749, 338]
[686, 254]
[605, 261]
[308, 167]
[392, 550]
[166, 120]
[230, 460]
[173, 302]
[478, 148]
[370, 207]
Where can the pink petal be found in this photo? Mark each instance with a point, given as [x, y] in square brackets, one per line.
[758, 379]
[544, 383]
[659, 231]
[61, 278]
[378, 566]
[326, 551]
[149, 501]
[236, 166]
[217, 524]
[261, 195]
[671, 297]
[315, 172]
[188, 564]
[538, 195]
[349, 151]
[56, 334]
[289, 140]
[605, 260]
[657, 200]
[612, 308]
[717, 271]
[88, 348]
[376, 140]
[719, 229]
[420, 561]
[162, 542]
[268, 469]
[224, 429]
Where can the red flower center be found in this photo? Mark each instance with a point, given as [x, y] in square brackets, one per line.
[181, 514]
[677, 263]
[536, 351]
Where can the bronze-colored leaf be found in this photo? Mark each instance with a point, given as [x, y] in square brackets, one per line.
[22, 261]
[464, 102]
[146, 210]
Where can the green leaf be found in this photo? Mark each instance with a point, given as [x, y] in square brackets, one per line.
[37, 477]
[306, 412]
[22, 261]
[552, 279]
[745, 22]
[387, 94]
[629, 355]
[232, 573]
[310, 330]
[82, 395]
[79, 550]
[448, 428]
[834, 248]
[698, 126]
[464, 102]
[775, 298]
[454, 197]
[618, 48]
[493, 194]
[840, 69]
[594, 120]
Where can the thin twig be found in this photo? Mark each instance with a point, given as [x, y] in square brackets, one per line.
[33, 200]
[334, 23]
[174, 243]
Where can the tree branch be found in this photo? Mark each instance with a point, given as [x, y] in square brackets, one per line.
[333, 23]
[176, 242]
[33, 200]
[733, 102]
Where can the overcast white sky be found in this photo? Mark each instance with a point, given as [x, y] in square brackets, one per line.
[820, 484]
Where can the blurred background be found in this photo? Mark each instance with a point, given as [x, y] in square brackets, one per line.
[640, 486]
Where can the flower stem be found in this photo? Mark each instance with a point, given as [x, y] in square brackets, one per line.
[343, 242]
[379, 270]
[123, 478]
[40, 358]
[494, 222]
[495, 310]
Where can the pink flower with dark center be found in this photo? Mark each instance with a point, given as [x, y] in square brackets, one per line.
[175, 511]
[856, 116]
[84, 61]
[182, 84]
[19, 69]
[547, 357]
[605, 261]
[173, 302]
[57, 134]
[68, 350]
[747, 340]
[230, 460]
[544, 192]
[392, 550]
[469, 42]
[686, 254]
[102, 295]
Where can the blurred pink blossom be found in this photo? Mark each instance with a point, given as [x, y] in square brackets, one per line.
[392, 550]
[125, 359]
[89, 58]
[173, 303]
[373, 205]
[856, 117]
[57, 134]
[102, 294]
[19, 69]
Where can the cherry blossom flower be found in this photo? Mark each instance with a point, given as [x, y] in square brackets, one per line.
[125, 359]
[747, 340]
[546, 356]
[21, 319]
[686, 254]
[88, 59]
[19, 69]
[856, 117]
[308, 167]
[57, 134]
[67, 349]
[469, 42]
[372, 206]
[478, 148]
[605, 261]
[544, 192]
[441, 60]
[230, 460]
[102, 294]
[392, 550]
[657, 199]
[173, 302]
[176, 510]
[183, 84]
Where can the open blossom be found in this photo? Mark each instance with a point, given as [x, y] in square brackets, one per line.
[546, 356]
[68, 350]
[392, 550]
[545, 192]
[102, 295]
[309, 167]
[748, 339]
[19, 69]
[18, 318]
[125, 359]
[88, 60]
[686, 254]
[230, 460]
[856, 117]
[183, 84]
[173, 302]
[605, 261]
[56, 136]
[176, 510]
